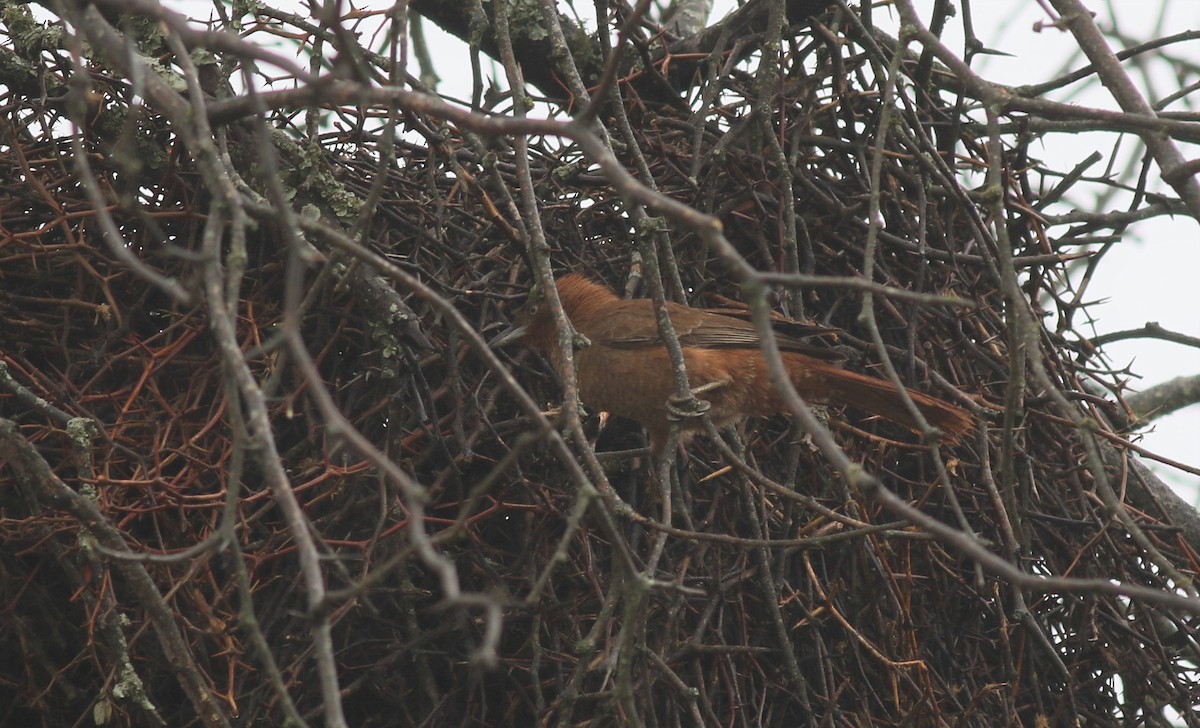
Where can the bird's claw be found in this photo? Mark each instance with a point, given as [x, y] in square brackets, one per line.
[680, 408]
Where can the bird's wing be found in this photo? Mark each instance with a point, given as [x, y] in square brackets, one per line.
[712, 329]
[783, 325]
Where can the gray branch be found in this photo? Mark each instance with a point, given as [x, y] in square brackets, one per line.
[1163, 399]
[532, 47]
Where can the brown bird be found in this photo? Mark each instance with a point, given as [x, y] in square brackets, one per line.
[626, 369]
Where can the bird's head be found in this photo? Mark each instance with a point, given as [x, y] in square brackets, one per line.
[528, 321]
[533, 323]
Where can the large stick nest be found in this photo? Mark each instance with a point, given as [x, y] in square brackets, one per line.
[771, 606]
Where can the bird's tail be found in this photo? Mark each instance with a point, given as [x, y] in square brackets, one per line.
[877, 397]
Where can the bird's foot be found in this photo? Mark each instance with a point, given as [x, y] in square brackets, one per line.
[681, 408]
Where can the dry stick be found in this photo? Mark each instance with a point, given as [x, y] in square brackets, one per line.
[101, 603]
[454, 317]
[247, 618]
[1012, 549]
[213, 230]
[1151, 330]
[34, 472]
[103, 36]
[336, 423]
[1027, 327]
[1138, 117]
[259, 427]
[539, 253]
[112, 236]
[631, 585]
[222, 292]
[970, 547]
[635, 587]
[184, 115]
[1164, 398]
[1010, 98]
[928, 157]
[803, 280]
[867, 312]
[194, 38]
[1175, 171]
[599, 96]
[1003, 504]
[651, 238]
[767, 79]
[1125, 54]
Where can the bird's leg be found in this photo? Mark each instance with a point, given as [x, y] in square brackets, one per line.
[679, 408]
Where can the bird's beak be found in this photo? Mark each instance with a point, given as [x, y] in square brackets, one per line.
[508, 336]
